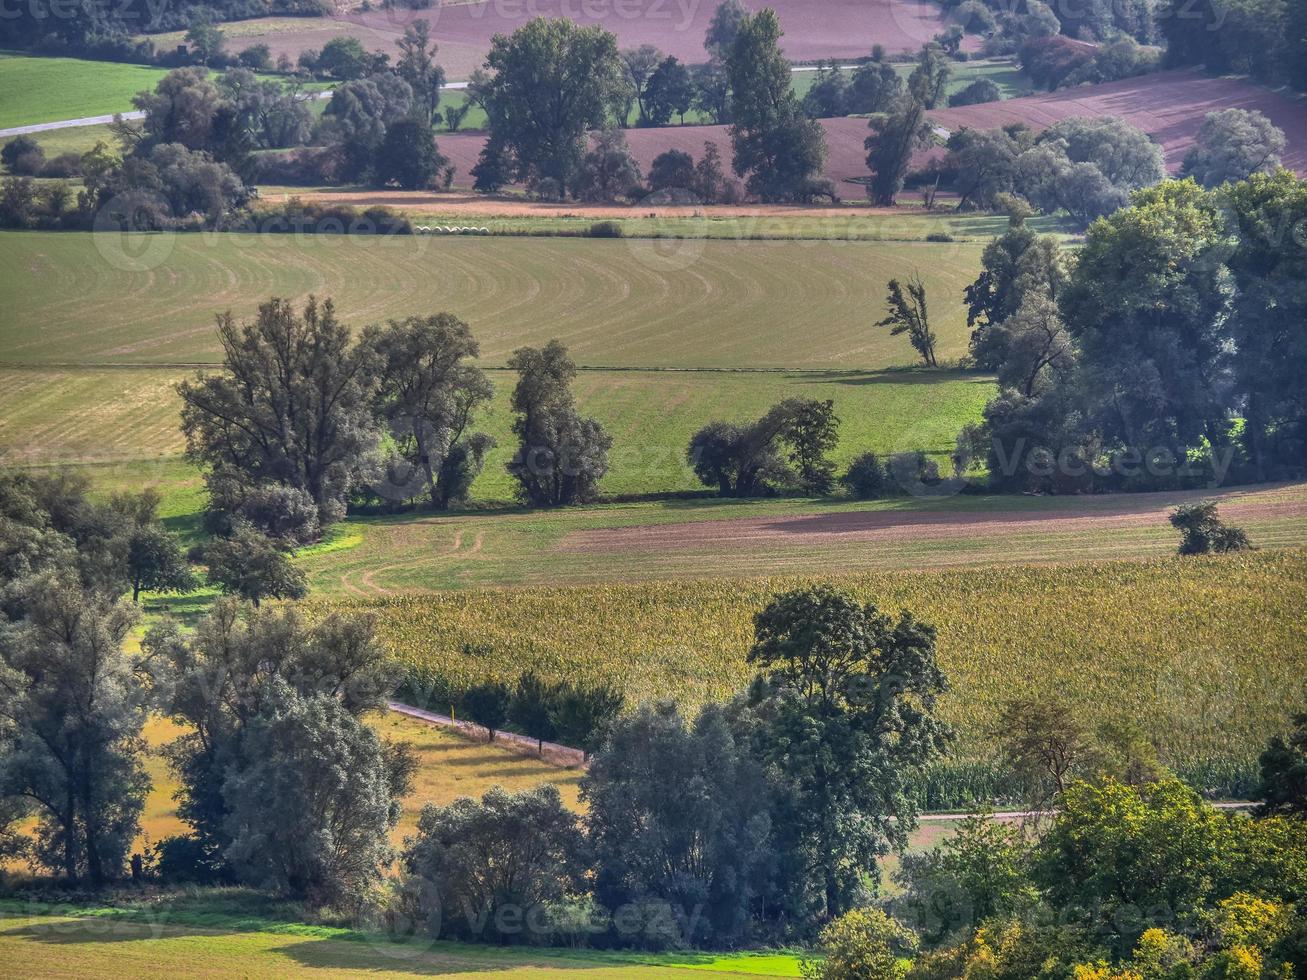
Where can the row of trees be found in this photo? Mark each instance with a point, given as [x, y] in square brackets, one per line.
[302, 420]
[1129, 366]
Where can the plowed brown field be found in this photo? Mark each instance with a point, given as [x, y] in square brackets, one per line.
[813, 28]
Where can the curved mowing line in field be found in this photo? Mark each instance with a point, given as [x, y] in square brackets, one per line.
[737, 304]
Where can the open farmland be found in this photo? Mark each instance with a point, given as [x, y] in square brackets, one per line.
[680, 539]
[36, 90]
[131, 415]
[1207, 655]
[73, 298]
[1169, 106]
[839, 29]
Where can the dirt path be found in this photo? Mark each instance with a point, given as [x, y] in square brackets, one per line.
[560, 755]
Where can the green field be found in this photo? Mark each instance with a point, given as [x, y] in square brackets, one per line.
[120, 415]
[74, 297]
[36, 89]
[150, 941]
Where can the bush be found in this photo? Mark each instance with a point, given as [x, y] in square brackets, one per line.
[981, 90]
[1202, 532]
[605, 229]
[865, 477]
[940, 236]
[864, 944]
[182, 860]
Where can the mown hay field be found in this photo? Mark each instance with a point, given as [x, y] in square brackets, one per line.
[1207, 655]
[73, 298]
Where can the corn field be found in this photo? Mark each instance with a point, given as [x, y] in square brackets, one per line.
[1208, 656]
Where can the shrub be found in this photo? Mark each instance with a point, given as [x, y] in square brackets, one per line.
[981, 90]
[1203, 532]
[865, 477]
[605, 229]
[863, 944]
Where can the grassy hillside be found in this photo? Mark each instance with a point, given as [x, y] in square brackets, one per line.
[73, 298]
[1206, 655]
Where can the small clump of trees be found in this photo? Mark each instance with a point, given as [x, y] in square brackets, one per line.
[785, 448]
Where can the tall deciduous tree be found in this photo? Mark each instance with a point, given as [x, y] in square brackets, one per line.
[429, 394]
[894, 138]
[680, 813]
[292, 406]
[310, 814]
[778, 150]
[230, 669]
[1147, 304]
[417, 66]
[907, 313]
[71, 713]
[551, 82]
[561, 455]
[846, 698]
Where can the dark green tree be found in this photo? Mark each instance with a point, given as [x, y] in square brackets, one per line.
[473, 859]
[1202, 531]
[1283, 785]
[895, 137]
[680, 813]
[417, 66]
[561, 455]
[581, 713]
[778, 150]
[928, 82]
[551, 82]
[311, 811]
[156, 563]
[292, 406]
[428, 394]
[233, 668]
[254, 567]
[669, 92]
[811, 431]
[845, 698]
[529, 710]
[488, 705]
[1147, 304]
[907, 313]
[71, 712]
[408, 155]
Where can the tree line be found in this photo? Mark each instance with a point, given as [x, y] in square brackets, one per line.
[1162, 354]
